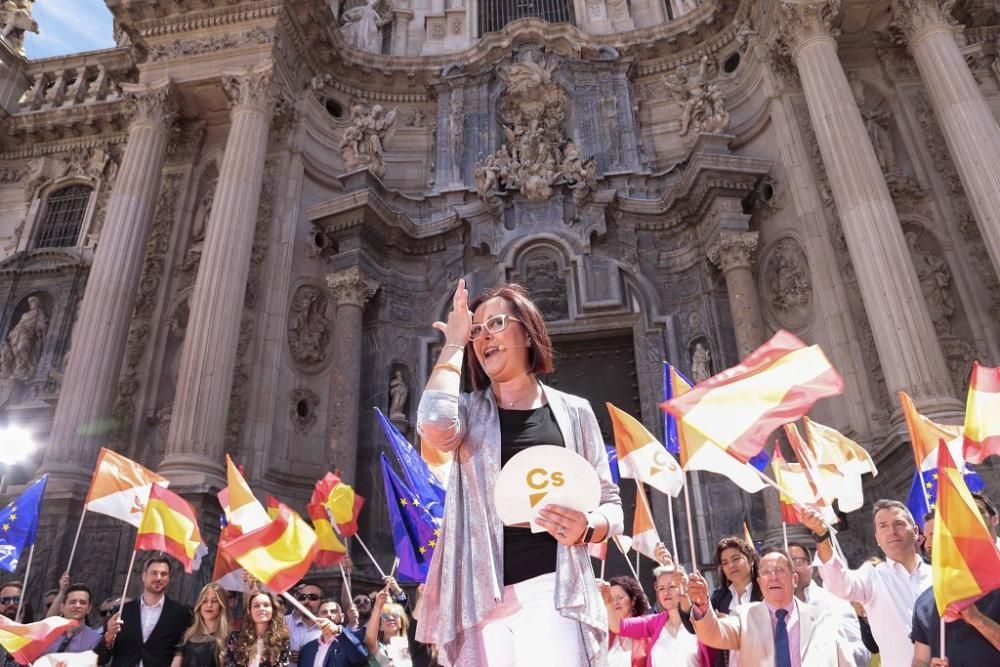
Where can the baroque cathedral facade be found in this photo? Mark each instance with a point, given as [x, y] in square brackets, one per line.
[231, 232]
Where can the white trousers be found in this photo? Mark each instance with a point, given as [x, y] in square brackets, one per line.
[526, 630]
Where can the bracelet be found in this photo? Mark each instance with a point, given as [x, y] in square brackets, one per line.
[461, 348]
[447, 367]
[823, 538]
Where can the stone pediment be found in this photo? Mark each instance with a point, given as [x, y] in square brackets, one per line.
[46, 260]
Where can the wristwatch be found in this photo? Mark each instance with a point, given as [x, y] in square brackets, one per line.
[588, 535]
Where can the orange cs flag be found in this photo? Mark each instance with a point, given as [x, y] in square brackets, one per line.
[120, 487]
[966, 563]
[982, 414]
[642, 457]
[331, 549]
[644, 535]
[341, 501]
[239, 503]
[740, 407]
[279, 554]
[171, 525]
[925, 434]
[26, 642]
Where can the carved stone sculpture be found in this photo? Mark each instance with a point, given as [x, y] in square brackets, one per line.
[364, 139]
[787, 284]
[398, 393]
[935, 281]
[309, 329]
[701, 363]
[22, 349]
[876, 121]
[536, 154]
[702, 100]
[361, 27]
[17, 20]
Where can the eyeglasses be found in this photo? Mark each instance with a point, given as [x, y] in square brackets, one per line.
[775, 572]
[493, 325]
[10, 599]
[302, 597]
[390, 617]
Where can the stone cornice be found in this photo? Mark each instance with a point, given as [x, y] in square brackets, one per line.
[155, 18]
[35, 149]
[45, 260]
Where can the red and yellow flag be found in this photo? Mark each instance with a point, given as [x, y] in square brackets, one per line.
[925, 434]
[341, 501]
[26, 642]
[739, 408]
[783, 475]
[120, 487]
[982, 414]
[823, 482]
[171, 525]
[331, 549]
[966, 563]
[279, 554]
[227, 572]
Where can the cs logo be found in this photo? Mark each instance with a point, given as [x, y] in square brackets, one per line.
[540, 478]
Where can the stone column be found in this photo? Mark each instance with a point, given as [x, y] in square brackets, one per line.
[351, 289]
[969, 128]
[732, 253]
[194, 458]
[400, 30]
[902, 328]
[90, 383]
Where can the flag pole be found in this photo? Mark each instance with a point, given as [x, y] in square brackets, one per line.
[673, 531]
[943, 626]
[784, 535]
[298, 605]
[627, 561]
[603, 564]
[347, 584]
[395, 564]
[76, 540]
[128, 575]
[370, 557]
[687, 512]
[636, 570]
[24, 585]
[767, 480]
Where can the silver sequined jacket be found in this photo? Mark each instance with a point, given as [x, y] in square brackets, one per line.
[465, 581]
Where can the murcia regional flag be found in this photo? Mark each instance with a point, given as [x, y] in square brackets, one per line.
[120, 488]
[642, 457]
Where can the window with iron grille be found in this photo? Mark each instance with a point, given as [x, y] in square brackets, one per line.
[64, 212]
[495, 14]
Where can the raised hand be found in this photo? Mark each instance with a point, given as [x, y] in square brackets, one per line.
[698, 590]
[392, 585]
[456, 329]
[813, 520]
[663, 556]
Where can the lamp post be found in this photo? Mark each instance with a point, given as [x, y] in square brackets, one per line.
[16, 446]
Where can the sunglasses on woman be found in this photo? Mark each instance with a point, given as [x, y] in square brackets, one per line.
[390, 617]
[492, 326]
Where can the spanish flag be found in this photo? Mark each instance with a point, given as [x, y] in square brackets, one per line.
[331, 549]
[341, 501]
[227, 572]
[966, 563]
[642, 457]
[926, 434]
[740, 407]
[279, 554]
[26, 642]
[171, 525]
[120, 487]
[982, 414]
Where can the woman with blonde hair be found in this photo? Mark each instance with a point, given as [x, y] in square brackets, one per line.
[388, 620]
[204, 643]
[263, 640]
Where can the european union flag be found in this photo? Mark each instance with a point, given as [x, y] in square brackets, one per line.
[415, 533]
[671, 440]
[613, 463]
[917, 501]
[18, 523]
[761, 460]
[425, 484]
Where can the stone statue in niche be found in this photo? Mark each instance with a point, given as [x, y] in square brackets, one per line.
[398, 393]
[364, 139]
[935, 282]
[17, 20]
[361, 27]
[309, 329]
[702, 100]
[22, 350]
[533, 157]
[701, 363]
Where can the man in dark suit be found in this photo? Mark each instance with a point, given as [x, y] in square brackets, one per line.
[147, 631]
[338, 646]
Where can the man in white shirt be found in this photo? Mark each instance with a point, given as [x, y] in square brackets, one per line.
[809, 591]
[887, 591]
[302, 630]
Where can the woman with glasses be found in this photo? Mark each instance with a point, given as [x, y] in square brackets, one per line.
[387, 622]
[204, 643]
[263, 640]
[495, 594]
[738, 562]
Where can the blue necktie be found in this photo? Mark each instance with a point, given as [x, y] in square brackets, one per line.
[782, 654]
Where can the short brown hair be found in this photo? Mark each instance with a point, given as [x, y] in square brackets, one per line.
[885, 504]
[540, 351]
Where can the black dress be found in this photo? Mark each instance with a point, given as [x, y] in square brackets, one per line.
[196, 653]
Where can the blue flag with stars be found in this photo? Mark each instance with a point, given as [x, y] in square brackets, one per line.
[613, 462]
[917, 501]
[670, 438]
[419, 477]
[18, 523]
[415, 532]
[761, 460]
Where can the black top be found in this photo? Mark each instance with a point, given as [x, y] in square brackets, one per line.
[526, 554]
[200, 653]
[158, 651]
[965, 645]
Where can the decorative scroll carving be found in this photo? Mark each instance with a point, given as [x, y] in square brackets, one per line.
[733, 250]
[362, 144]
[786, 283]
[303, 409]
[915, 16]
[702, 100]
[151, 104]
[195, 47]
[351, 287]
[254, 88]
[536, 154]
[801, 20]
[22, 348]
[309, 329]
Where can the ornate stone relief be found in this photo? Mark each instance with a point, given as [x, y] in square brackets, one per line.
[200, 45]
[801, 20]
[254, 88]
[536, 154]
[786, 283]
[914, 16]
[309, 329]
[352, 287]
[934, 276]
[733, 250]
[155, 104]
[361, 146]
[702, 100]
[303, 405]
[546, 282]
